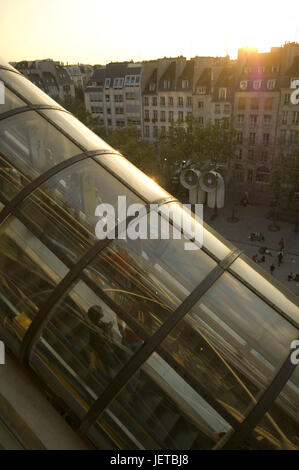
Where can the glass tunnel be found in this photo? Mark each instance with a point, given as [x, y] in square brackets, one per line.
[151, 345]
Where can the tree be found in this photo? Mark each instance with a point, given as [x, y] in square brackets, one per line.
[128, 141]
[214, 144]
[217, 144]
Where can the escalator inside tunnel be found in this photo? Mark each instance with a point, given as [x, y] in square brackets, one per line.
[197, 385]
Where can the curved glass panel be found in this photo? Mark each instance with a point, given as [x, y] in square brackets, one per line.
[72, 126]
[6, 64]
[232, 343]
[25, 88]
[265, 287]
[11, 180]
[29, 272]
[279, 428]
[150, 278]
[147, 187]
[11, 101]
[32, 144]
[82, 344]
[230, 346]
[215, 245]
[64, 207]
[158, 410]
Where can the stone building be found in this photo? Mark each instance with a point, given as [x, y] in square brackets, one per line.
[178, 89]
[252, 94]
[113, 95]
[50, 76]
[80, 74]
[263, 114]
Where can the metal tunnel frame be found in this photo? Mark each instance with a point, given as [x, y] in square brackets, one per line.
[151, 343]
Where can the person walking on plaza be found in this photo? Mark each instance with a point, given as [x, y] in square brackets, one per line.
[280, 256]
[281, 243]
[272, 267]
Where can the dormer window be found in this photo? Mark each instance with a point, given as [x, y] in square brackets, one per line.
[201, 90]
[107, 82]
[271, 84]
[261, 69]
[243, 84]
[275, 68]
[222, 93]
[132, 80]
[166, 84]
[127, 80]
[152, 86]
[118, 83]
[185, 83]
[257, 84]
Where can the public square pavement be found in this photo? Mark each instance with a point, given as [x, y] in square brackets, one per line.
[253, 218]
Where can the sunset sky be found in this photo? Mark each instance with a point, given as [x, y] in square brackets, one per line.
[96, 31]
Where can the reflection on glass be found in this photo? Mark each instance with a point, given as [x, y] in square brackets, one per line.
[232, 343]
[25, 88]
[215, 246]
[83, 344]
[64, 207]
[32, 144]
[11, 101]
[150, 190]
[11, 180]
[149, 278]
[29, 273]
[84, 136]
[158, 410]
[279, 428]
[267, 289]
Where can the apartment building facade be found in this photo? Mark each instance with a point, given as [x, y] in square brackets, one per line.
[178, 89]
[113, 95]
[80, 74]
[251, 95]
[261, 116]
[288, 119]
[50, 76]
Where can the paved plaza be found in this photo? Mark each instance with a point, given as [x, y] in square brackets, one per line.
[253, 218]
